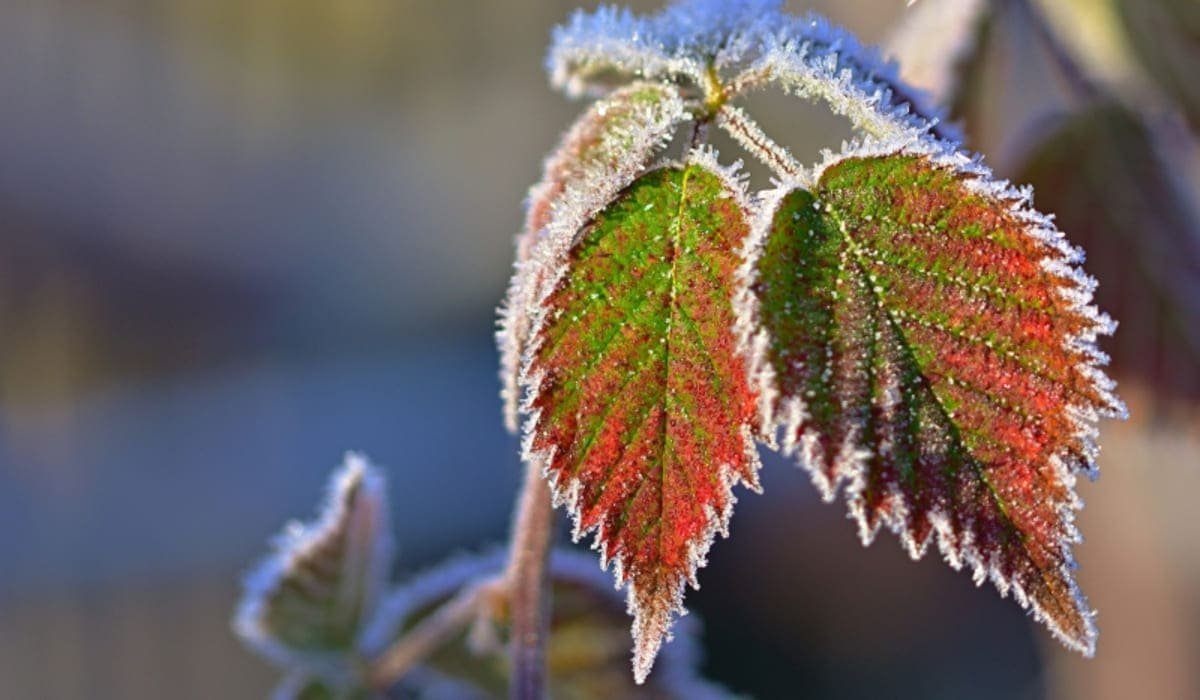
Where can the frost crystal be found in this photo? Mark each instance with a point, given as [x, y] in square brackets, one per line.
[308, 602]
[919, 333]
[604, 151]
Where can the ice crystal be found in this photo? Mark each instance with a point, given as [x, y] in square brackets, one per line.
[877, 309]
[606, 149]
[307, 603]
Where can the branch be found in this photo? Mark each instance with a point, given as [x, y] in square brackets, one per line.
[746, 132]
[526, 580]
[432, 632]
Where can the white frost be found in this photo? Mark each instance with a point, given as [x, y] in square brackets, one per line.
[623, 152]
[355, 509]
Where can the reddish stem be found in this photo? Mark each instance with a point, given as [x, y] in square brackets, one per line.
[529, 595]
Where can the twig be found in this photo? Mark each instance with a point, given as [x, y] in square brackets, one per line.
[743, 130]
[529, 594]
[699, 135]
[432, 632]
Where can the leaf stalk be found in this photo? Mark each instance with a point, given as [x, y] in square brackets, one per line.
[529, 596]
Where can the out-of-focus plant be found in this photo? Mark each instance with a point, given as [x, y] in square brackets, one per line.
[896, 318]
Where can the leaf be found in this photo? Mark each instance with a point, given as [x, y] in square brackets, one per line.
[1123, 194]
[1166, 36]
[744, 43]
[298, 686]
[640, 404]
[597, 51]
[307, 603]
[610, 145]
[587, 647]
[932, 345]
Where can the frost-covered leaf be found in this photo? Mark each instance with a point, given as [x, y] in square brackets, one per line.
[596, 51]
[933, 346]
[744, 43]
[307, 603]
[638, 393]
[587, 648]
[1123, 193]
[610, 145]
[818, 60]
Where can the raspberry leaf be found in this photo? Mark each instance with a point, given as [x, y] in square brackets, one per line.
[610, 144]
[931, 342]
[641, 408]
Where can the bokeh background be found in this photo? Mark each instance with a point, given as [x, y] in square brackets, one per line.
[238, 237]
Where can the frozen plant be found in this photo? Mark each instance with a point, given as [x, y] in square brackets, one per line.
[903, 324]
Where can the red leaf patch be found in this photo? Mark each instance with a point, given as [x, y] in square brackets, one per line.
[932, 345]
[641, 407]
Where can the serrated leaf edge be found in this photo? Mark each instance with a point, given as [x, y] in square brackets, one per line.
[807, 55]
[579, 202]
[295, 541]
[1062, 260]
[647, 642]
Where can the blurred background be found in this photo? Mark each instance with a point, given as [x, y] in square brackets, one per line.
[238, 237]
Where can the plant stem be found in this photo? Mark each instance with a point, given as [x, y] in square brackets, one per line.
[529, 597]
[431, 633]
[743, 129]
[699, 135]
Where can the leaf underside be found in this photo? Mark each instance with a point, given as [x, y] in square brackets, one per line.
[922, 353]
[640, 399]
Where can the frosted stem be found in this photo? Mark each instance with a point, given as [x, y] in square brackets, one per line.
[698, 137]
[432, 632]
[747, 133]
[529, 594]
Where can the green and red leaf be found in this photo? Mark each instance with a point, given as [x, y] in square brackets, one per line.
[931, 342]
[609, 145]
[641, 408]
[308, 603]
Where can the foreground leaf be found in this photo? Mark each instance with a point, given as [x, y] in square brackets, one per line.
[611, 144]
[586, 650]
[641, 408]
[932, 344]
[307, 603]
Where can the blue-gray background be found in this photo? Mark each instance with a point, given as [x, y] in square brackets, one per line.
[239, 237]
